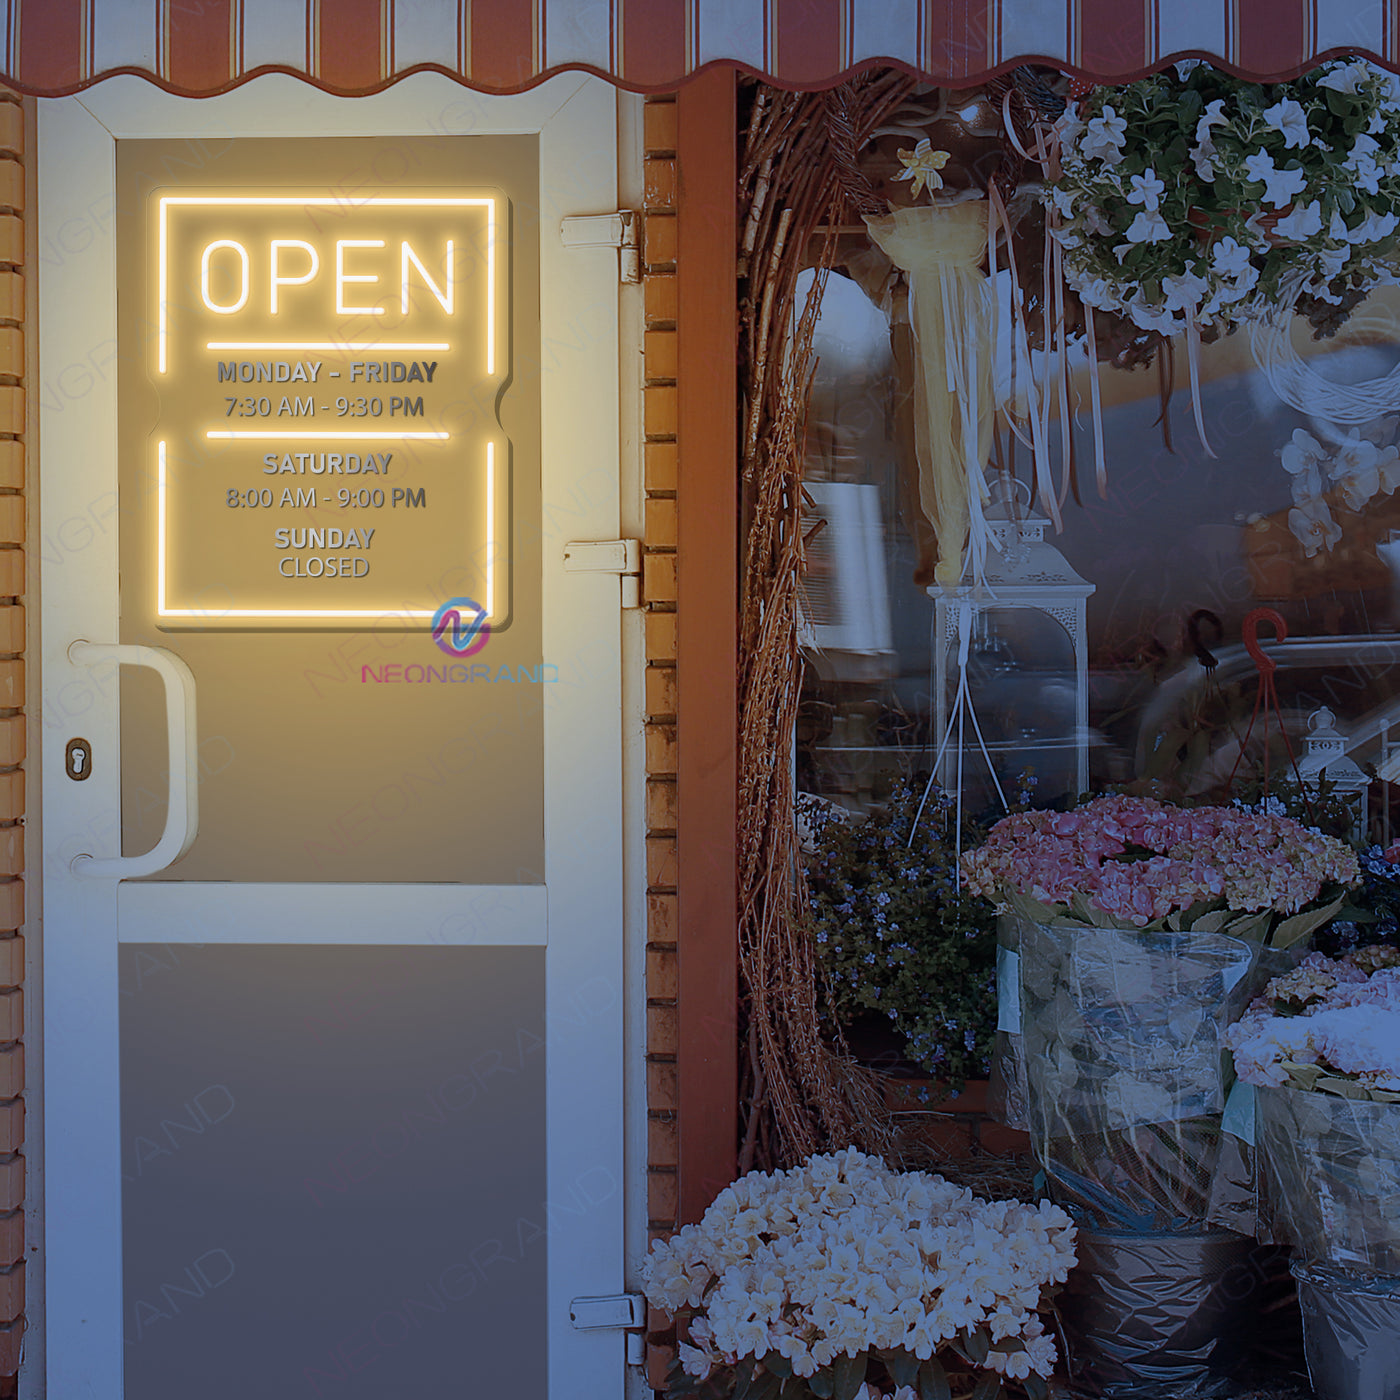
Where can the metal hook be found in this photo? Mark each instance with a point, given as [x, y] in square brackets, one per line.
[1249, 631]
[1194, 627]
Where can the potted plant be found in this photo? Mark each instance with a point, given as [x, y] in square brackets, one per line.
[841, 1278]
[899, 943]
[1142, 930]
[1322, 1047]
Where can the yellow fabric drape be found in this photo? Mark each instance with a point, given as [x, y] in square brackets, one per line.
[940, 247]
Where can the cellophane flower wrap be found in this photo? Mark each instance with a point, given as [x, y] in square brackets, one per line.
[1322, 1047]
[1195, 196]
[1142, 927]
[859, 1280]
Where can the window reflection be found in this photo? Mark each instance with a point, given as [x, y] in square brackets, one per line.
[1291, 513]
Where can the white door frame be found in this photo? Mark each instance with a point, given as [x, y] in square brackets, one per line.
[583, 717]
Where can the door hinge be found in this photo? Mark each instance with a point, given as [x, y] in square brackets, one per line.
[621, 557]
[608, 231]
[617, 1312]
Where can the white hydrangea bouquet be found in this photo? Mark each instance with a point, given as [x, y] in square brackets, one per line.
[1192, 198]
[842, 1278]
[1322, 1048]
[1330, 1025]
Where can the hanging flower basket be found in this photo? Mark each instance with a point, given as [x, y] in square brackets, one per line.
[1195, 198]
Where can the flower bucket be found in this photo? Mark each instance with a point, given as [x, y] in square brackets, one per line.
[1150, 1316]
[1126, 1075]
[1351, 1330]
[1331, 1168]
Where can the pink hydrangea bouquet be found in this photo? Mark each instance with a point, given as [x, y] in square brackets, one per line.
[843, 1278]
[1132, 862]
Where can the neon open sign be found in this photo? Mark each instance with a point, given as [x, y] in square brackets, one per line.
[327, 370]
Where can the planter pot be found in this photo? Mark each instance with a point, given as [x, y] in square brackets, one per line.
[1351, 1330]
[1151, 1316]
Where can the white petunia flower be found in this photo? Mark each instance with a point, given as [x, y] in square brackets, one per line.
[1094, 221]
[1301, 224]
[1183, 292]
[1103, 137]
[1289, 120]
[1148, 227]
[1361, 161]
[1279, 185]
[1203, 152]
[1388, 467]
[1097, 291]
[1153, 317]
[1345, 77]
[1069, 128]
[1330, 261]
[1230, 258]
[1214, 115]
[1145, 189]
[1374, 228]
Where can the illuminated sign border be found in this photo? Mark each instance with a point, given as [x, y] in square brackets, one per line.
[346, 346]
[402, 614]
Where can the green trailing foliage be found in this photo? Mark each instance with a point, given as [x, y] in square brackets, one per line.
[895, 935]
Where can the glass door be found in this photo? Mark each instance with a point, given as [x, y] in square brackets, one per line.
[333, 986]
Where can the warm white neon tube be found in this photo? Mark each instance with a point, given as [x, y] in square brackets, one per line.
[224, 435]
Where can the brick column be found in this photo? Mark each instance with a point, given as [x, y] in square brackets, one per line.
[16, 121]
[659, 597]
[690, 593]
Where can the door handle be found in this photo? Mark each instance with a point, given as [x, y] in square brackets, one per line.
[182, 808]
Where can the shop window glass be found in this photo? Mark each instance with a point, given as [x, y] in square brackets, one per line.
[1183, 546]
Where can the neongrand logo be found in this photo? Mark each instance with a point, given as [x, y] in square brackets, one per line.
[460, 627]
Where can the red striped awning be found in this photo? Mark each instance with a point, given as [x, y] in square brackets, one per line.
[197, 47]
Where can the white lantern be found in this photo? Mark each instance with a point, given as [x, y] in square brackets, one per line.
[1025, 572]
[1325, 755]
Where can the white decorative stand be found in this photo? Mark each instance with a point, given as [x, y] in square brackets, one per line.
[1026, 573]
[1325, 753]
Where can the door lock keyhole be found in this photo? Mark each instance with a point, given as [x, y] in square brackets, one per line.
[77, 759]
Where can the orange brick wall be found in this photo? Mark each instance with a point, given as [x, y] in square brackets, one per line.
[16, 127]
[659, 599]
